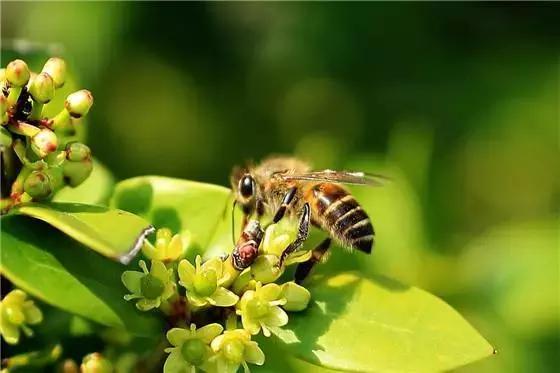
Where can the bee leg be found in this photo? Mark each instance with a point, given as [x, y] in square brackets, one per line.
[303, 232]
[303, 269]
[288, 198]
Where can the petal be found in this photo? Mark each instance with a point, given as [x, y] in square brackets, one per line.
[168, 291]
[195, 300]
[250, 325]
[222, 298]
[15, 297]
[246, 297]
[131, 279]
[147, 304]
[132, 296]
[298, 257]
[209, 332]
[270, 292]
[175, 248]
[177, 336]
[175, 363]
[276, 317]
[216, 343]
[186, 272]
[149, 250]
[33, 314]
[214, 264]
[253, 354]
[9, 331]
[159, 270]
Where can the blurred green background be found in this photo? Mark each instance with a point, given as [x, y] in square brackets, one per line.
[458, 103]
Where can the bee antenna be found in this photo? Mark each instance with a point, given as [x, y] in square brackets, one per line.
[233, 222]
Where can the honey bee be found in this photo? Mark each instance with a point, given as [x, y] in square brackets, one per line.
[281, 186]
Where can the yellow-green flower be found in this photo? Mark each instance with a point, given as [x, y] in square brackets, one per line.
[204, 283]
[278, 237]
[191, 348]
[150, 287]
[233, 349]
[167, 248]
[260, 309]
[16, 312]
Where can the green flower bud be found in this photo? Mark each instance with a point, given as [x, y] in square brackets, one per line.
[96, 363]
[194, 351]
[56, 68]
[76, 151]
[265, 269]
[17, 73]
[206, 283]
[77, 172]
[151, 286]
[42, 88]
[79, 103]
[56, 176]
[38, 185]
[44, 142]
[297, 297]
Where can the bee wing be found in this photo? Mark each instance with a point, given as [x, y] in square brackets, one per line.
[343, 177]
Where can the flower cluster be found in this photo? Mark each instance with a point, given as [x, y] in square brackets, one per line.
[39, 154]
[220, 306]
[17, 312]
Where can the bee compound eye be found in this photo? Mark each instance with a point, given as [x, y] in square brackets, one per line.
[246, 186]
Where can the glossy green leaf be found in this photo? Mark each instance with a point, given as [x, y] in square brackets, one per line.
[359, 324]
[60, 271]
[96, 190]
[113, 233]
[186, 207]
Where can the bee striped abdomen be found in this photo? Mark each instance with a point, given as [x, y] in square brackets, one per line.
[338, 212]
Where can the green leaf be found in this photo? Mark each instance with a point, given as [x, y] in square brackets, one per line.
[113, 233]
[96, 190]
[186, 207]
[60, 271]
[359, 324]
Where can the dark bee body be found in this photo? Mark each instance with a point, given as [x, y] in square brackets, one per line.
[336, 211]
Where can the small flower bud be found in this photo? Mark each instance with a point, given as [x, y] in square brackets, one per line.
[151, 286]
[205, 283]
[297, 297]
[79, 103]
[56, 68]
[96, 363]
[76, 151]
[56, 176]
[38, 185]
[194, 351]
[76, 173]
[44, 142]
[17, 73]
[265, 268]
[42, 88]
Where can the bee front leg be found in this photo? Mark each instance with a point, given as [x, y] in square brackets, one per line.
[303, 269]
[303, 232]
[288, 198]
